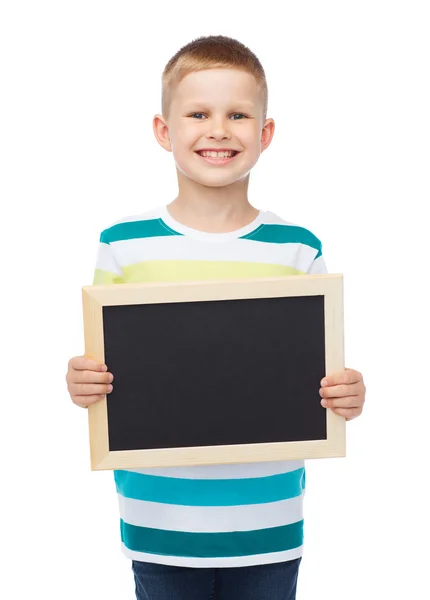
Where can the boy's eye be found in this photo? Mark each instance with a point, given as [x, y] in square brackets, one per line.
[234, 114]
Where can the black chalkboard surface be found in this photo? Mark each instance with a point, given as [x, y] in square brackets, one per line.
[215, 372]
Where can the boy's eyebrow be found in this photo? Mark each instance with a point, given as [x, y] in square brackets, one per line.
[200, 104]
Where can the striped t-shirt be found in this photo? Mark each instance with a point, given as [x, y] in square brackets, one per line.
[217, 515]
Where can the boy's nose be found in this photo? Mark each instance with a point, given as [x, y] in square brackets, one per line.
[219, 132]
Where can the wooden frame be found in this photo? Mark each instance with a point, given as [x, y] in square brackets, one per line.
[95, 297]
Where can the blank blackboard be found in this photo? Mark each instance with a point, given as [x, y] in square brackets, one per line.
[215, 372]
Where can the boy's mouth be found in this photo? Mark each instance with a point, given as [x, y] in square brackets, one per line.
[217, 157]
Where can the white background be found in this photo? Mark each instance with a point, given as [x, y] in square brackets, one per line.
[349, 92]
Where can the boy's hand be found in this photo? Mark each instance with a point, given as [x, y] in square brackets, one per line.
[344, 392]
[87, 381]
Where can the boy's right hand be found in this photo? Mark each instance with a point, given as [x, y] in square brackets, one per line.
[87, 381]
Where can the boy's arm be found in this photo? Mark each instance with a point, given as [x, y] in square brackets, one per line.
[88, 381]
[344, 392]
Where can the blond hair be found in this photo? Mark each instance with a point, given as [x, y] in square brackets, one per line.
[212, 52]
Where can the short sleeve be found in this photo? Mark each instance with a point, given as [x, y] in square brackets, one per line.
[107, 270]
[318, 266]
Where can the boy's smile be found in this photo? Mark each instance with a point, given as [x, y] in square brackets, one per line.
[217, 157]
[215, 127]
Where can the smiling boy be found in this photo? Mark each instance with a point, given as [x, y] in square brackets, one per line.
[226, 532]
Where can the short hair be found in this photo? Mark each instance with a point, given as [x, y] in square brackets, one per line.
[211, 52]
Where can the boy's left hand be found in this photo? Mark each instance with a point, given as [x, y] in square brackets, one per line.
[344, 393]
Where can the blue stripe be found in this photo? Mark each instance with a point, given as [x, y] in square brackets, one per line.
[210, 492]
[136, 229]
[232, 543]
[285, 234]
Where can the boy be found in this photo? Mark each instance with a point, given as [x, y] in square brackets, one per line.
[226, 532]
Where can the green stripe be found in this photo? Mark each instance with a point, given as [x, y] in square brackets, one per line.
[211, 545]
[210, 492]
[284, 234]
[199, 270]
[106, 278]
[136, 229]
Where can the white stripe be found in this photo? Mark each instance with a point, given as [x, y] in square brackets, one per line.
[299, 256]
[224, 562]
[271, 218]
[241, 471]
[210, 519]
[106, 259]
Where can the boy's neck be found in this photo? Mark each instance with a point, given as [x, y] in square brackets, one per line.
[213, 210]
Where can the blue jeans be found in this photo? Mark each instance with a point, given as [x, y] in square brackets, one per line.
[263, 582]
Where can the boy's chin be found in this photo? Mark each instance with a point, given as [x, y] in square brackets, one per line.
[210, 180]
[216, 182]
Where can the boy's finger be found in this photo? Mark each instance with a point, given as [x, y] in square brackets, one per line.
[82, 363]
[339, 391]
[345, 402]
[348, 377]
[91, 389]
[92, 377]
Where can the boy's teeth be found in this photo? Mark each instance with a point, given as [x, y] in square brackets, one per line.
[216, 154]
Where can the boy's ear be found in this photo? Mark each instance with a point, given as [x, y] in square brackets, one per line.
[161, 132]
[267, 134]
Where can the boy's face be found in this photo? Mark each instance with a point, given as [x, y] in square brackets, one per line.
[215, 109]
